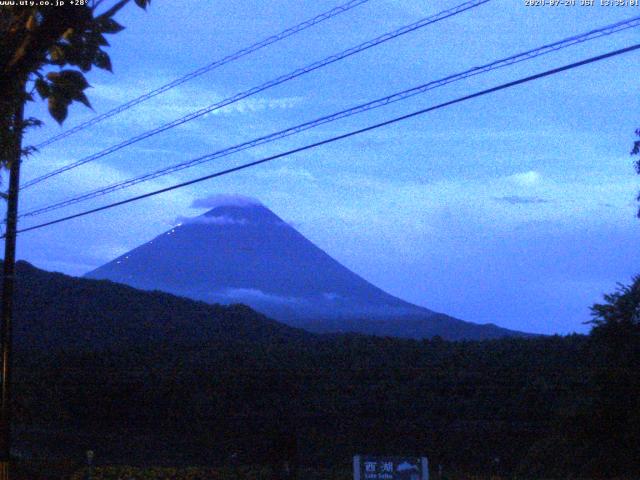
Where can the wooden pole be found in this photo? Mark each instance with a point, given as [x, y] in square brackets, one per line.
[8, 277]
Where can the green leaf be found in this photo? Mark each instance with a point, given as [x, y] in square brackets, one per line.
[57, 55]
[32, 23]
[58, 109]
[68, 34]
[73, 78]
[43, 88]
[82, 98]
[32, 122]
[85, 62]
[102, 61]
[109, 25]
[66, 87]
[99, 39]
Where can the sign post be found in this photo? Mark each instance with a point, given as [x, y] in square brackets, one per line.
[367, 467]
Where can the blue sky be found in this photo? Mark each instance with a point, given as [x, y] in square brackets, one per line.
[515, 208]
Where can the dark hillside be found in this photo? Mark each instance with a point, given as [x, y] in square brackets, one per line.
[55, 311]
[149, 378]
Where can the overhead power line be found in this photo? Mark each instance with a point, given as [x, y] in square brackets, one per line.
[487, 91]
[403, 95]
[272, 83]
[207, 68]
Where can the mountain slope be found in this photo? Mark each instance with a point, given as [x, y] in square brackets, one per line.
[241, 252]
[409, 326]
[248, 254]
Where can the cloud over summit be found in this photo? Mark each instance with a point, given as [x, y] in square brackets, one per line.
[204, 220]
[225, 200]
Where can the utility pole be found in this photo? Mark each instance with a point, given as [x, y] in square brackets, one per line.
[8, 279]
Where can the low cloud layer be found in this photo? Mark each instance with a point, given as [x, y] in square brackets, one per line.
[526, 179]
[256, 295]
[520, 200]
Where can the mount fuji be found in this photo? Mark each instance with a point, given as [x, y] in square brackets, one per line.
[241, 252]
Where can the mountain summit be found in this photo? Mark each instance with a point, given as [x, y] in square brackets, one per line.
[241, 252]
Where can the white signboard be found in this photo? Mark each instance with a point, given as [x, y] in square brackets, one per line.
[368, 467]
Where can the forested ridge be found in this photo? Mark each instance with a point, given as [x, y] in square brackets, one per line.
[250, 389]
